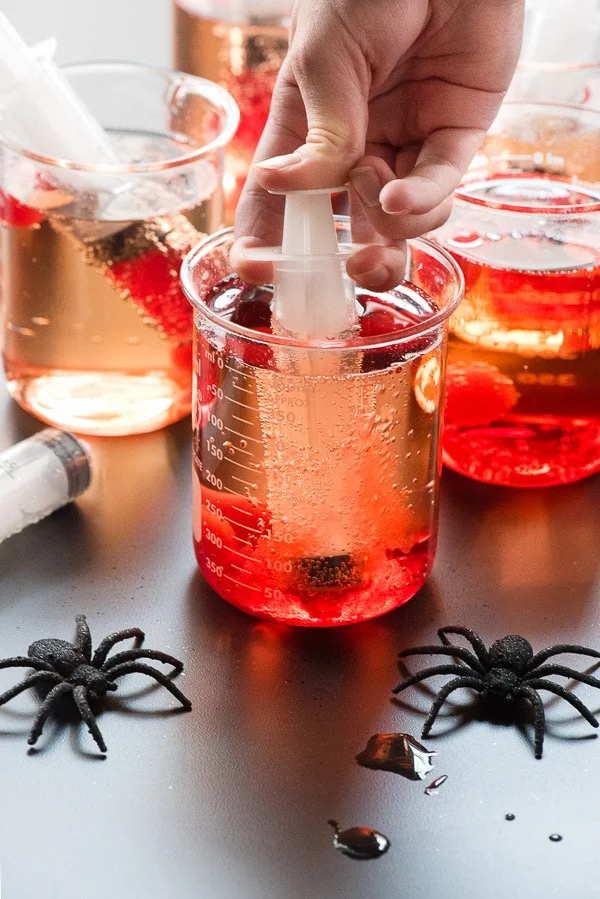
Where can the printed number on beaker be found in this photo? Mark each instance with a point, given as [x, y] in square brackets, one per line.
[213, 538]
[213, 449]
[216, 422]
[286, 537]
[214, 509]
[214, 359]
[212, 566]
[215, 391]
[270, 593]
[278, 565]
[214, 480]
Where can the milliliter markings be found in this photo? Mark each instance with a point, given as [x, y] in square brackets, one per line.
[243, 511]
[243, 389]
[241, 584]
[230, 399]
[243, 421]
[252, 530]
[239, 464]
[242, 481]
[244, 436]
[242, 555]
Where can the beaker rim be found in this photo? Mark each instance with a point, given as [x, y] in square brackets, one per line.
[495, 166]
[217, 95]
[394, 338]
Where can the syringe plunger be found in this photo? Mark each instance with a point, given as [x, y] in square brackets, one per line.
[314, 299]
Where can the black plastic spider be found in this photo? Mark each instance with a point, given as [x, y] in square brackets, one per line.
[508, 670]
[70, 668]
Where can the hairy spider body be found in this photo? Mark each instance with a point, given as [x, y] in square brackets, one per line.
[509, 670]
[70, 668]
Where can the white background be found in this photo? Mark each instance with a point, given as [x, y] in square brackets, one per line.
[138, 30]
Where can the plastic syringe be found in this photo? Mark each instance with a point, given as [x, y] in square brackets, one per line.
[313, 504]
[39, 110]
[42, 114]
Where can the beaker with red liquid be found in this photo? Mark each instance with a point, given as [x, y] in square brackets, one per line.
[316, 463]
[97, 333]
[523, 382]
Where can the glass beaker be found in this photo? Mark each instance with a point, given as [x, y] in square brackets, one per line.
[316, 463]
[97, 331]
[241, 46]
[560, 54]
[523, 380]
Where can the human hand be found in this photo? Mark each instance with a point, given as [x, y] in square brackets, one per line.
[394, 96]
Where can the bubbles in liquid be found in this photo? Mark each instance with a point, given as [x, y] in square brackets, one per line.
[555, 837]
[509, 817]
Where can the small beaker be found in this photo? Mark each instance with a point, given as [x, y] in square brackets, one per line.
[523, 383]
[316, 463]
[97, 332]
[240, 46]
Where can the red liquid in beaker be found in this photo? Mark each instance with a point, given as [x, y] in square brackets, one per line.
[523, 380]
[274, 564]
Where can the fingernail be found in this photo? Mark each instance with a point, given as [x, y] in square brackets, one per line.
[367, 185]
[280, 162]
[375, 276]
[393, 208]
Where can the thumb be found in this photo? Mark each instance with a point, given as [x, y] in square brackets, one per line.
[331, 81]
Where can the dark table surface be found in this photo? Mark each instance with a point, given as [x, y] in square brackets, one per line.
[232, 799]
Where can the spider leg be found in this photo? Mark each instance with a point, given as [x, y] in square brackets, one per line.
[131, 654]
[473, 638]
[137, 668]
[539, 717]
[83, 707]
[429, 672]
[105, 646]
[541, 684]
[25, 662]
[458, 652]
[544, 654]
[564, 671]
[41, 717]
[83, 638]
[37, 677]
[443, 695]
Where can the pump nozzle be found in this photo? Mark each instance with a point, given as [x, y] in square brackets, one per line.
[314, 298]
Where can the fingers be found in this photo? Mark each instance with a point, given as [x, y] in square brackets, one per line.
[251, 270]
[333, 80]
[309, 140]
[371, 179]
[259, 213]
[377, 267]
[439, 167]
